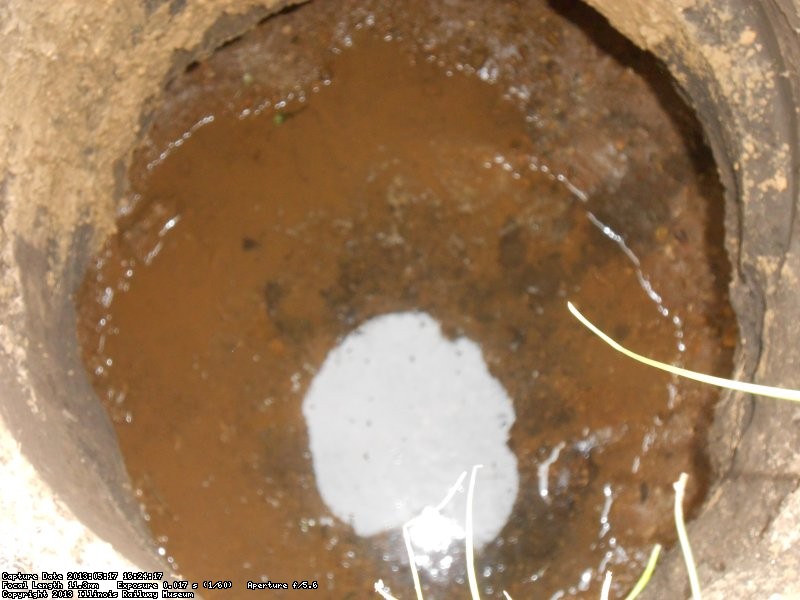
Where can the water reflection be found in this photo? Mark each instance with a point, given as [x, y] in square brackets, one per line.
[394, 412]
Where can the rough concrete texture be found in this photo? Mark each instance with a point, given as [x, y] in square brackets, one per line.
[78, 79]
[78, 82]
[37, 529]
[738, 64]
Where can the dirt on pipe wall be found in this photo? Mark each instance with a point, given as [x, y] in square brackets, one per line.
[78, 83]
[737, 62]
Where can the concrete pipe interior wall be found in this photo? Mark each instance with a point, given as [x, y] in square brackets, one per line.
[79, 80]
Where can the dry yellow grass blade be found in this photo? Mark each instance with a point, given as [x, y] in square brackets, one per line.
[381, 589]
[643, 580]
[694, 582]
[606, 586]
[749, 388]
[470, 550]
[646, 575]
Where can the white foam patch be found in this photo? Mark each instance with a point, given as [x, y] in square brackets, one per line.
[395, 414]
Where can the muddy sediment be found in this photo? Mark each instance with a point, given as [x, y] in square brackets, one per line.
[376, 163]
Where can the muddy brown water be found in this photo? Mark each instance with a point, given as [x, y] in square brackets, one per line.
[479, 164]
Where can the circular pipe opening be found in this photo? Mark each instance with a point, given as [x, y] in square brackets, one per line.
[750, 127]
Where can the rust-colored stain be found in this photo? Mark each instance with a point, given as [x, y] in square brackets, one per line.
[403, 184]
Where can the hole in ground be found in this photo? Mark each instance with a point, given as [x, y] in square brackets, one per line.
[480, 164]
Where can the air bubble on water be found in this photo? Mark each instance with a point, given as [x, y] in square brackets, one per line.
[107, 298]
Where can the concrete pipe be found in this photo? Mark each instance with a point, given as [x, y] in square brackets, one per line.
[78, 83]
